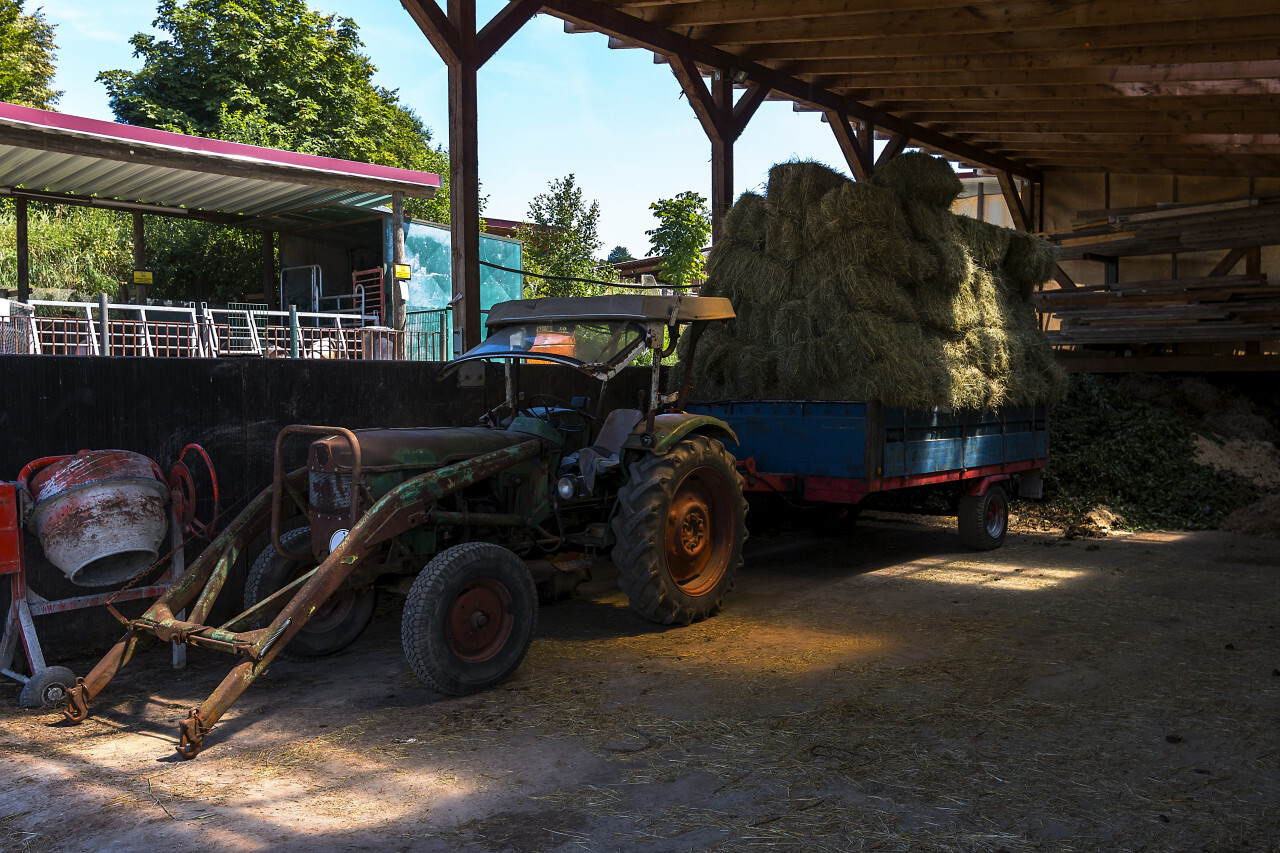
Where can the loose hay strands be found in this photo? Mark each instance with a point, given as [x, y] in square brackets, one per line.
[1029, 262]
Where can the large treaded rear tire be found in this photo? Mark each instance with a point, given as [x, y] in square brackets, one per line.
[336, 624]
[469, 618]
[680, 526]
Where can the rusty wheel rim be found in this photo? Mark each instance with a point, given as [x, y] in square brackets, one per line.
[331, 612]
[699, 534]
[996, 513]
[481, 617]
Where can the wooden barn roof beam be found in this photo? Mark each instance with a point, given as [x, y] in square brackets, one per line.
[622, 25]
[1133, 78]
[1126, 22]
[1205, 31]
[1240, 49]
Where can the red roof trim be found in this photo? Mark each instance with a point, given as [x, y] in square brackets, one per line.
[202, 145]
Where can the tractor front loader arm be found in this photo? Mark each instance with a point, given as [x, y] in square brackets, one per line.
[402, 508]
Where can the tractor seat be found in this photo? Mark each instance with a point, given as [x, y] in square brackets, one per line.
[614, 431]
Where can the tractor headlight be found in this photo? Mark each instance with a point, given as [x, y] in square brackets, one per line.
[336, 539]
[567, 488]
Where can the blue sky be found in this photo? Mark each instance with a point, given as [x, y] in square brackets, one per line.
[550, 104]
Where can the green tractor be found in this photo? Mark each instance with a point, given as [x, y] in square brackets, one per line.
[474, 525]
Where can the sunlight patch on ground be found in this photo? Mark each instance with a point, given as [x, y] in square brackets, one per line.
[1023, 578]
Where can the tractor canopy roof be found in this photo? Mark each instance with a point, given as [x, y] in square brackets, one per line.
[668, 310]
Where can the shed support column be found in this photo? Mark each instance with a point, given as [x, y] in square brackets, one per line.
[721, 155]
[464, 179]
[399, 310]
[269, 269]
[464, 50]
[24, 260]
[722, 121]
[139, 254]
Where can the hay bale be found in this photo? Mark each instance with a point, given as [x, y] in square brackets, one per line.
[874, 292]
[745, 221]
[1029, 262]
[796, 186]
[988, 244]
[918, 176]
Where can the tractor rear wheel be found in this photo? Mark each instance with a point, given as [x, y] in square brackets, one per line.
[469, 618]
[336, 623]
[680, 525]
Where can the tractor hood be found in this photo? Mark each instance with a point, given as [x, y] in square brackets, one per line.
[401, 449]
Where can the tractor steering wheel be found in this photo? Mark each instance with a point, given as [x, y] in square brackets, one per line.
[560, 403]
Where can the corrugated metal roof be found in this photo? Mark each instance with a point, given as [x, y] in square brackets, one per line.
[53, 152]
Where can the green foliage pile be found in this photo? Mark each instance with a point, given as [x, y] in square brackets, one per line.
[1108, 448]
[875, 291]
[684, 226]
[26, 57]
[72, 249]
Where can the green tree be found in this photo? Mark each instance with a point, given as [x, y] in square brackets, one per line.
[684, 224]
[619, 254]
[560, 239]
[263, 72]
[27, 52]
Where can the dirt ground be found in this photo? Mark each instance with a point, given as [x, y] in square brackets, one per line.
[882, 691]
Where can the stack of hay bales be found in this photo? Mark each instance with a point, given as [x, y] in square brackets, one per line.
[875, 291]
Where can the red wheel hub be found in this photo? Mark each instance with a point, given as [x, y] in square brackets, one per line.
[698, 532]
[480, 620]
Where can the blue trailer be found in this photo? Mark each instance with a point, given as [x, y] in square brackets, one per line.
[841, 452]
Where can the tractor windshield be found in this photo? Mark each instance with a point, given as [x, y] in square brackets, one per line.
[595, 342]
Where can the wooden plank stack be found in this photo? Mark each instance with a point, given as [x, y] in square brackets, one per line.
[1237, 316]
[1169, 228]
[1214, 309]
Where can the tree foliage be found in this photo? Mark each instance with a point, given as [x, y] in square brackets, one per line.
[684, 224]
[561, 239]
[619, 254]
[27, 52]
[263, 72]
[71, 249]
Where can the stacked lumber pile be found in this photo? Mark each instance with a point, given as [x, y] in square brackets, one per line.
[1241, 310]
[1168, 228]
[1213, 309]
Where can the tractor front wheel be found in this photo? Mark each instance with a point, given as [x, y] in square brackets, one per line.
[680, 525]
[469, 618]
[335, 624]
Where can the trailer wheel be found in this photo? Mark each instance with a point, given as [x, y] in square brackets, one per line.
[336, 623]
[680, 525]
[984, 519]
[469, 618]
[47, 686]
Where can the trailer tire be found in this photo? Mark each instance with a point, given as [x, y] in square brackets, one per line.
[680, 525]
[469, 618]
[47, 686]
[984, 519]
[336, 623]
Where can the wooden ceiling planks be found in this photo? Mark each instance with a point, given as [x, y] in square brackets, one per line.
[1179, 86]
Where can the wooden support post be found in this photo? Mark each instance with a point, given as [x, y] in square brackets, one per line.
[269, 269]
[139, 254]
[894, 147]
[854, 149]
[464, 50]
[24, 258]
[982, 202]
[399, 310]
[721, 153]
[723, 122]
[1014, 201]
